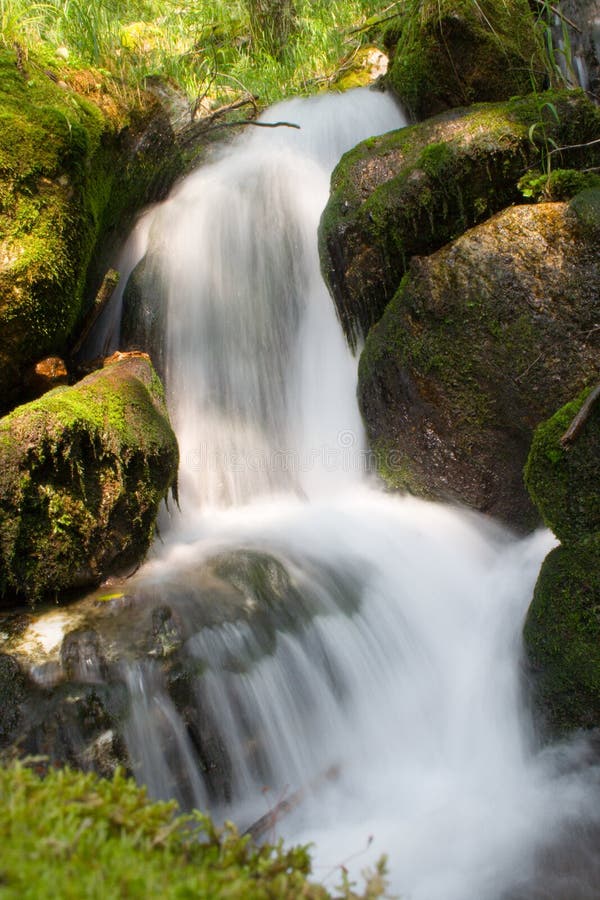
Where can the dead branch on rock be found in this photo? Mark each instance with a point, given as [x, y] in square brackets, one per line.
[267, 822]
[105, 292]
[580, 419]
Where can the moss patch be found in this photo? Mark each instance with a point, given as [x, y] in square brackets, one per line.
[82, 473]
[74, 835]
[450, 54]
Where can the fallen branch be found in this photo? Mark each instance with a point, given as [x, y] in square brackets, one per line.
[256, 124]
[267, 822]
[560, 14]
[581, 418]
[574, 146]
[107, 289]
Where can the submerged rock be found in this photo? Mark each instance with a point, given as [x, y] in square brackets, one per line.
[83, 470]
[411, 191]
[452, 54]
[481, 341]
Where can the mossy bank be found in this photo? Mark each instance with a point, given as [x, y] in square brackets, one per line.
[77, 155]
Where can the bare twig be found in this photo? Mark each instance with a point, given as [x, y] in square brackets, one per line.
[560, 14]
[581, 418]
[256, 124]
[574, 146]
[528, 369]
[107, 289]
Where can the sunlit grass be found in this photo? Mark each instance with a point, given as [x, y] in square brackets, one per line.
[205, 47]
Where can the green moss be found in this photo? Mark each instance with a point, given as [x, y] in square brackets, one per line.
[562, 634]
[83, 471]
[71, 835]
[61, 190]
[563, 481]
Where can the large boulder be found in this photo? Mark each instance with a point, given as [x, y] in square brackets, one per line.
[77, 155]
[480, 343]
[82, 473]
[411, 191]
[451, 53]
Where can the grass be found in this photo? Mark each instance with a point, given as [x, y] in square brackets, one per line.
[207, 47]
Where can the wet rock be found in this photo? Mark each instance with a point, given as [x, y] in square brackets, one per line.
[82, 473]
[411, 191]
[478, 346]
[144, 313]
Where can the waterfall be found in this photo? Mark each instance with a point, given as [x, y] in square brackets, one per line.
[373, 666]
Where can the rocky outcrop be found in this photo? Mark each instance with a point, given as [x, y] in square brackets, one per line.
[76, 158]
[411, 191]
[450, 54]
[82, 473]
[562, 630]
[481, 341]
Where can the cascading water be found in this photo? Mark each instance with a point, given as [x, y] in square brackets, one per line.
[379, 637]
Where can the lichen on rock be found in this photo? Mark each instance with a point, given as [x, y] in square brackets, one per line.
[82, 473]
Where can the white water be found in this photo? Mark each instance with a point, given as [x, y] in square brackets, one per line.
[400, 663]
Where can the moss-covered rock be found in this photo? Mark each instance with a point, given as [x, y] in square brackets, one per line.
[480, 343]
[563, 479]
[411, 191]
[76, 156]
[450, 53]
[562, 635]
[82, 473]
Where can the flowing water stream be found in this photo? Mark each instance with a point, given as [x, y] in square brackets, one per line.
[384, 682]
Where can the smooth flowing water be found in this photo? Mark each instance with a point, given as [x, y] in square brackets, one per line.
[375, 674]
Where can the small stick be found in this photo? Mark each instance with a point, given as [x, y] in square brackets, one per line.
[581, 418]
[107, 289]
